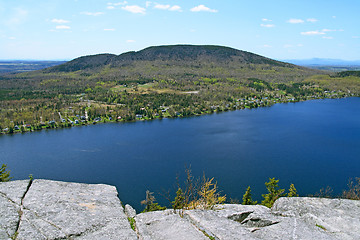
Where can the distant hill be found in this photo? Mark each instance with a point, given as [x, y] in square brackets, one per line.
[349, 73]
[176, 55]
[183, 61]
[176, 62]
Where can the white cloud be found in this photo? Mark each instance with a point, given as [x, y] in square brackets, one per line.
[12, 38]
[148, 3]
[295, 21]
[300, 45]
[113, 5]
[134, 9]
[311, 20]
[326, 37]
[130, 41]
[311, 33]
[95, 14]
[109, 29]
[203, 8]
[266, 20]
[120, 3]
[267, 46]
[62, 27]
[175, 8]
[55, 20]
[162, 7]
[267, 25]
[322, 32]
[356, 37]
[168, 7]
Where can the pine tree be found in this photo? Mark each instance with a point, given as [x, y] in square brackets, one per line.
[150, 203]
[4, 175]
[247, 200]
[273, 192]
[292, 191]
[179, 201]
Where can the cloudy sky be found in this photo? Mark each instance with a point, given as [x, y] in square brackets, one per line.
[280, 29]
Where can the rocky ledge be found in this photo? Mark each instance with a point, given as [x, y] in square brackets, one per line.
[45, 209]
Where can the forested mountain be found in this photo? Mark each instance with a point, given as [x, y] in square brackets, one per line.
[183, 62]
[156, 82]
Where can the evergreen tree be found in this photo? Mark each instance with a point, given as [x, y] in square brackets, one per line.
[292, 191]
[179, 201]
[150, 203]
[4, 175]
[273, 192]
[247, 200]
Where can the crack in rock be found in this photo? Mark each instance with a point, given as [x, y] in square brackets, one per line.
[9, 199]
[239, 217]
[198, 226]
[258, 222]
[21, 210]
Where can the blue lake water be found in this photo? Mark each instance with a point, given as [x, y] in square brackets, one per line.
[312, 144]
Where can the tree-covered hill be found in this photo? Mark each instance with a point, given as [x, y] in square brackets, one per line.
[157, 82]
[178, 62]
[348, 74]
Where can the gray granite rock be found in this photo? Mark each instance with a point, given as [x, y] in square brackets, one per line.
[166, 225]
[11, 194]
[130, 211]
[338, 218]
[233, 221]
[54, 210]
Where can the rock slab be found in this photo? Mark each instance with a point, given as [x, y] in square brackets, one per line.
[60, 210]
[45, 209]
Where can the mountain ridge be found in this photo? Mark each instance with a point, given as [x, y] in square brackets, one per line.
[204, 53]
[178, 62]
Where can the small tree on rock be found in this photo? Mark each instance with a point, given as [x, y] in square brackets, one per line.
[247, 200]
[292, 191]
[4, 175]
[150, 204]
[179, 201]
[274, 192]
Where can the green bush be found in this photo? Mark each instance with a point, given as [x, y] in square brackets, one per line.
[4, 175]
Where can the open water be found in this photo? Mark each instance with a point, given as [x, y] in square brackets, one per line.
[312, 144]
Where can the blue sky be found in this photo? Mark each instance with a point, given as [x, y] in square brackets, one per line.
[279, 29]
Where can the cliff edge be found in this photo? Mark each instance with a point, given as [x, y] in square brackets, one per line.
[45, 209]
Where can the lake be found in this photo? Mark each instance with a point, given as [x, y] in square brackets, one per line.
[312, 144]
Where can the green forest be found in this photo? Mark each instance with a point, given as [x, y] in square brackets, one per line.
[159, 82]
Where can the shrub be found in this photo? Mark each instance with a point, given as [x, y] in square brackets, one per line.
[247, 200]
[208, 195]
[354, 190]
[4, 175]
[292, 191]
[274, 192]
[150, 204]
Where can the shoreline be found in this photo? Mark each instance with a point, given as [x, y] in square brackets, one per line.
[103, 121]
